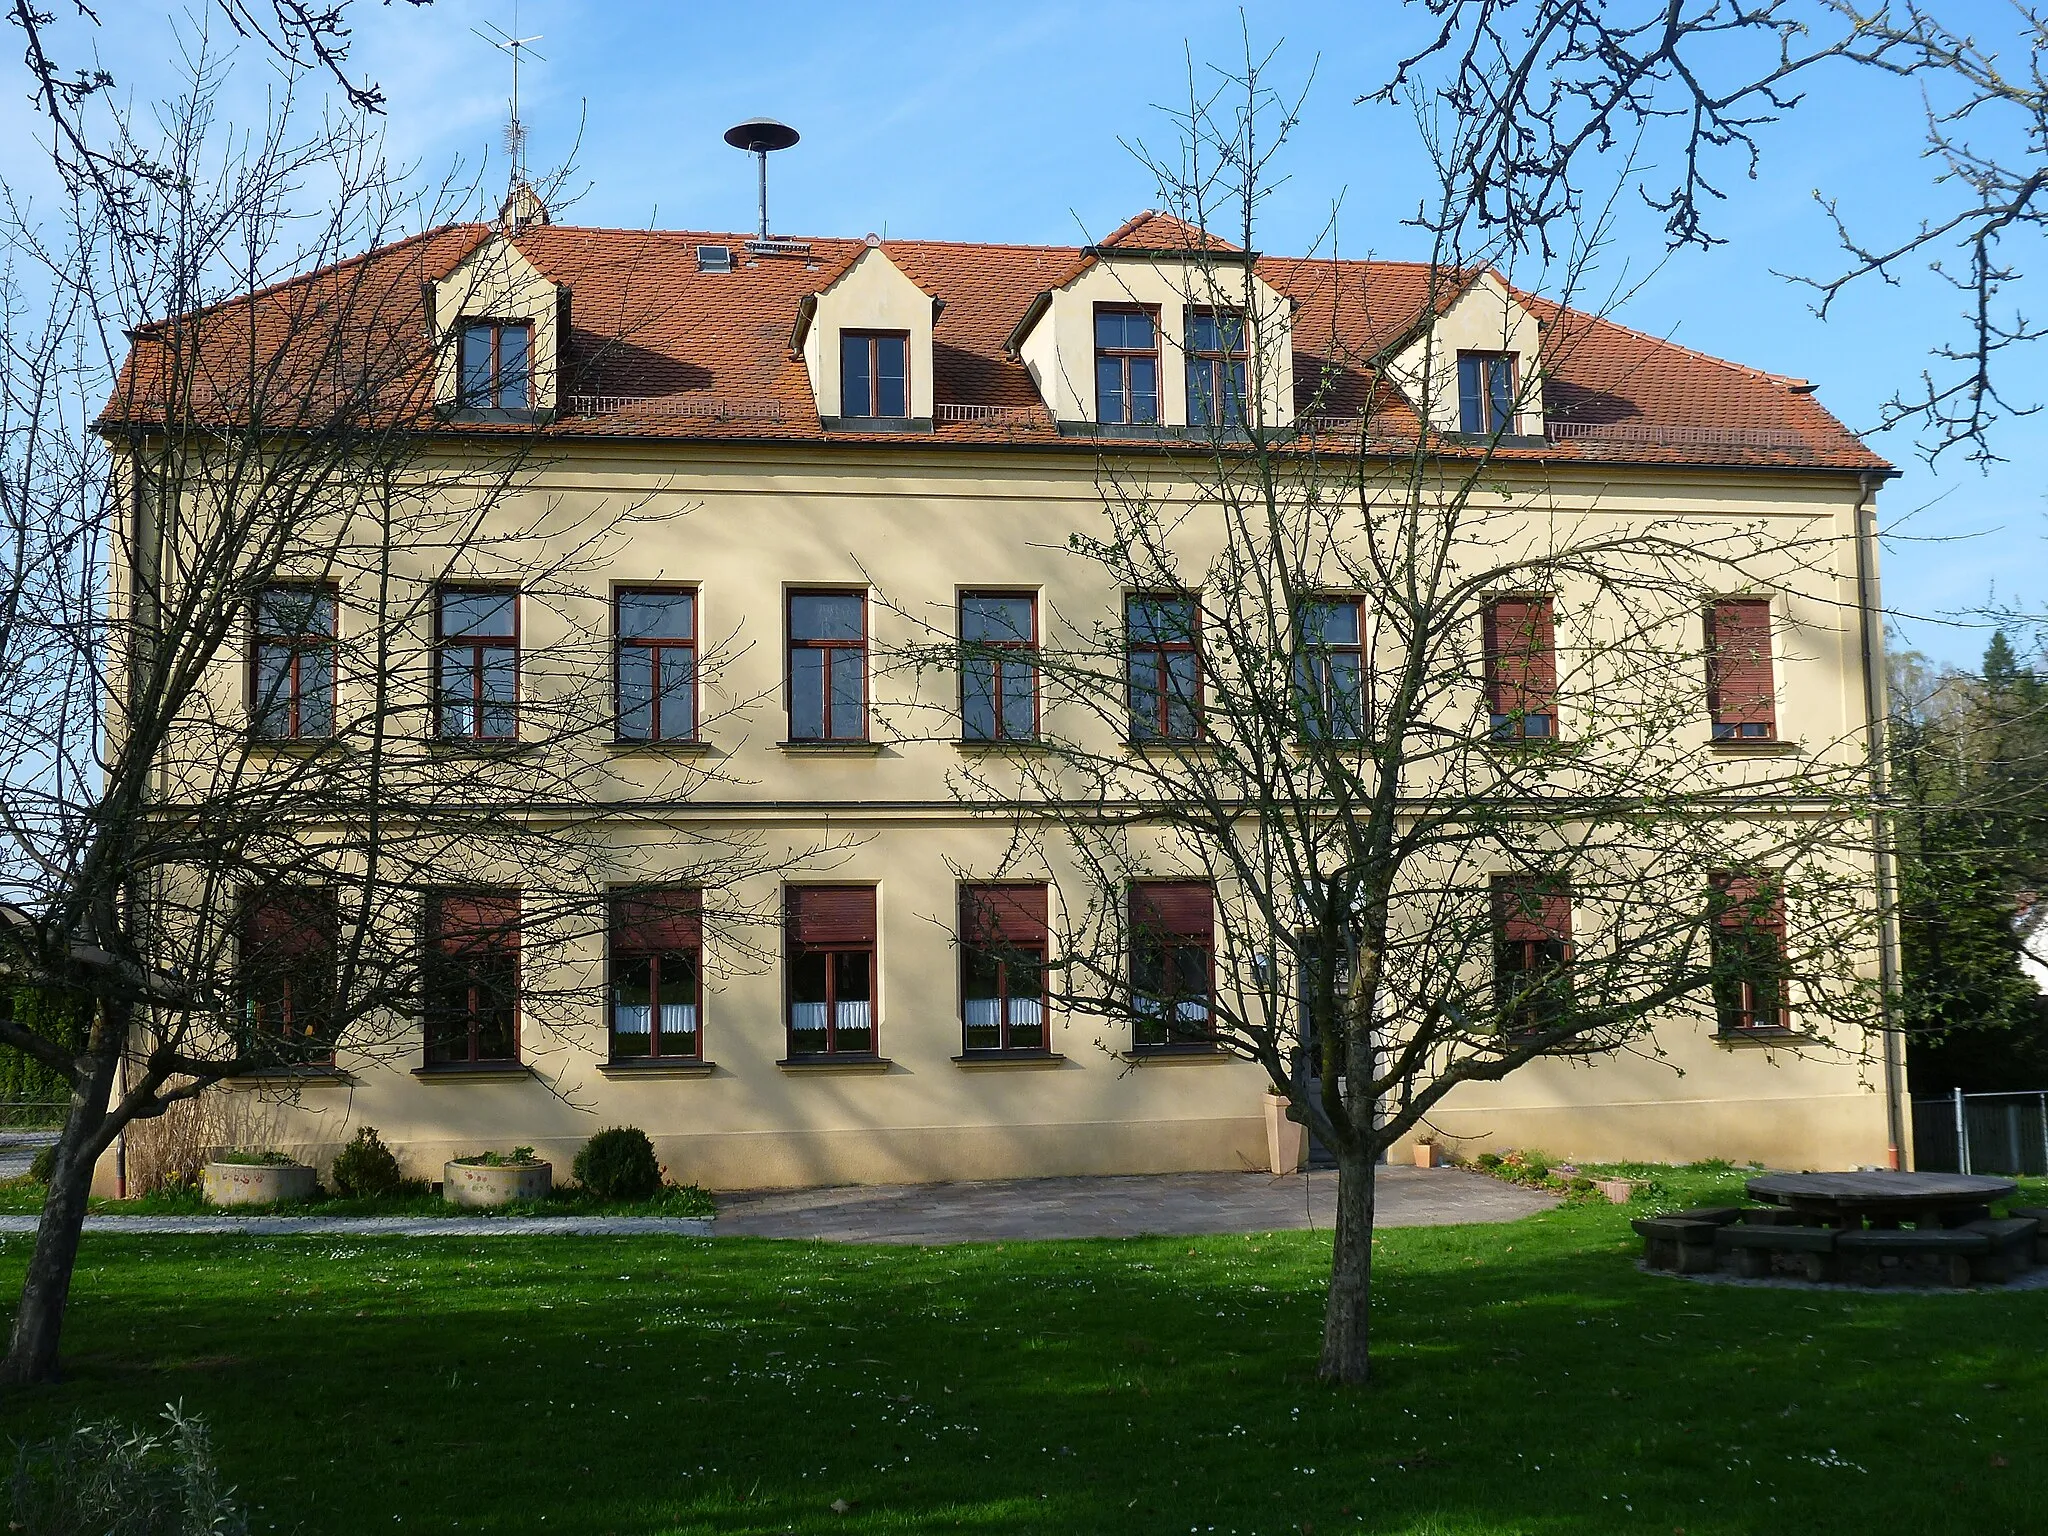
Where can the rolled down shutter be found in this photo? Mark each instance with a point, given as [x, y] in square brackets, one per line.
[473, 922]
[645, 922]
[1748, 901]
[293, 923]
[1186, 909]
[1521, 656]
[1530, 908]
[996, 915]
[823, 916]
[1740, 687]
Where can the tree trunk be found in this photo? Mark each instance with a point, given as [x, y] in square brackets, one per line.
[1347, 1318]
[39, 1320]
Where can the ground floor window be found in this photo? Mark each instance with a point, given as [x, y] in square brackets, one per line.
[830, 950]
[1532, 947]
[1751, 983]
[286, 965]
[1002, 967]
[656, 952]
[470, 977]
[1173, 945]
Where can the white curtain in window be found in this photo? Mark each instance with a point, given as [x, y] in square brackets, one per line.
[633, 1018]
[851, 1015]
[1194, 1013]
[807, 1016]
[1025, 1012]
[676, 1019]
[984, 1012]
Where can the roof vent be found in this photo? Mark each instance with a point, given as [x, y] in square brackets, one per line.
[714, 258]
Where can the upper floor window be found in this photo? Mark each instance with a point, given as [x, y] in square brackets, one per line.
[1486, 392]
[874, 373]
[476, 642]
[656, 636]
[1532, 948]
[1162, 643]
[1521, 669]
[1751, 985]
[828, 666]
[286, 969]
[1330, 669]
[292, 666]
[1741, 692]
[1216, 368]
[999, 667]
[1173, 944]
[1003, 936]
[656, 949]
[470, 977]
[1126, 367]
[496, 364]
[831, 959]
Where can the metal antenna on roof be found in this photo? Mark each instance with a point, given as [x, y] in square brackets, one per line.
[515, 130]
[759, 135]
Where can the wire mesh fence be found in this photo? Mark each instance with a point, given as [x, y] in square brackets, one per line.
[32, 1114]
[1981, 1133]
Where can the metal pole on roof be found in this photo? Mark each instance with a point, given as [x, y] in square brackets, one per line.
[758, 136]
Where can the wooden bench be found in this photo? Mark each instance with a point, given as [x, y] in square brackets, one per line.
[1751, 1250]
[1674, 1243]
[1775, 1216]
[2035, 1213]
[1868, 1256]
[2012, 1247]
[1719, 1215]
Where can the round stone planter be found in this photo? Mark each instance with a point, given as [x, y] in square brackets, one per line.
[257, 1183]
[500, 1184]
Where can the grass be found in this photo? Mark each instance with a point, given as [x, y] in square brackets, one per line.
[24, 1197]
[1531, 1380]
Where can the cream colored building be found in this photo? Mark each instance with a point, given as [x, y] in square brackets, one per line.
[808, 455]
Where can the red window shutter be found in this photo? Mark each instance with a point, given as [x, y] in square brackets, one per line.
[1186, 909]
[1740, 687]
[995, 915]
[1521, 656]
[277, 924]
[1748, 901]
[473, 922]
[651, 922]
[1529, 908]
[823, 915]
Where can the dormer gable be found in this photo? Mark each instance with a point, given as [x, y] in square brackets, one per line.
[866, 341]
[1160, 329]
[1476, 367]
[498, 329]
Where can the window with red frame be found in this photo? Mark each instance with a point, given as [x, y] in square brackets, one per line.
[496, 364]
[830, 952]
[1532, 950]
[292, 663]
[470, 977]
[1162, 643]
[999, 667]
[656, 635]
[874, 374]
[476, 644]
[1742, 694]
[287, 957]
[1216, 358]
[657, 945]
[828, 666]
[1126, 366]
[1173, 951]
[1751, 983]
[1521, 669]
[1003, 937]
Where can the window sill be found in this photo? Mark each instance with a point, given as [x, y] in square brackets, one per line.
[472, 1071]
[467, 746]
[1193, 748]
[291, 746]
[320, 1074]
[832, 748]
[996, 746]
[627, 748]
[656, 1066]
[1763, 1039]
[975, 1061]
[1753, 747]
[1173, 1055]
[848, 1063]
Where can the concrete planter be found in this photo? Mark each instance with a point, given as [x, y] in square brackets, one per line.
[1429, 1155]
[486, 1184]
[1286, 1140]
[257, 1183]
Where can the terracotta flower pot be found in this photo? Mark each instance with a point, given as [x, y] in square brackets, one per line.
[256, 1183]
[1286, 1140]
[495, 1184]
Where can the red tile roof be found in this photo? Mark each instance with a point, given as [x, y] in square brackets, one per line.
[657, 349]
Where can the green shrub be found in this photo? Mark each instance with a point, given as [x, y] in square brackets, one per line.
[1580, 1185]
[518, 1157]
[243, 1159]
[107, 1479]
[1488, 1160]
[366, 1167]
[619, 1164]
[43, 1164]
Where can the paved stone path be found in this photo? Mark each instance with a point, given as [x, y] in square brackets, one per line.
[1176, 1205]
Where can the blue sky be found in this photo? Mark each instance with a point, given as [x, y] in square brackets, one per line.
[981, 121]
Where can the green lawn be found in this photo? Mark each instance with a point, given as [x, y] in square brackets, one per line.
[24, 1197]
[1531, 1380]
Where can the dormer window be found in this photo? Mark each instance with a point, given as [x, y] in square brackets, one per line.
[1216, 364]
[874, 374]
[496, 371]
[1486, 392]
[1126, 367]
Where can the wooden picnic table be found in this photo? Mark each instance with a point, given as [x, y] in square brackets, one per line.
[1881, 1199]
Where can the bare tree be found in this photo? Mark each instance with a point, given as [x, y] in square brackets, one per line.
[1329, 702]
